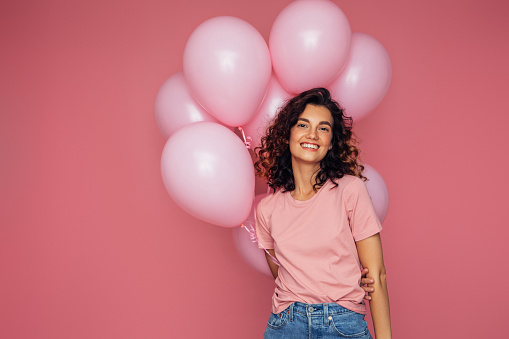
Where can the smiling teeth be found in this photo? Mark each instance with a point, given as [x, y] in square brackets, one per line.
[310, 146]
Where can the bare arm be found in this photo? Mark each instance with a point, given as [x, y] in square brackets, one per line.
[273, 267]
[370, 255]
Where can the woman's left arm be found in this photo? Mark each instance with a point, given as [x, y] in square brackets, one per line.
[370, 255]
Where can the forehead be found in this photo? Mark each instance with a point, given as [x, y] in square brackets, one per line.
[316, 113]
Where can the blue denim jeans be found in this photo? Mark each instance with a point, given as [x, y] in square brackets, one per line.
[310, 321]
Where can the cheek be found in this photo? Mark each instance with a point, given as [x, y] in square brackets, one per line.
[294, 136]
[293, 147]
[328, 140]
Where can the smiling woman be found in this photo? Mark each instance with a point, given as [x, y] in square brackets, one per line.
[275, 157]
[310, 138]
[320, 224]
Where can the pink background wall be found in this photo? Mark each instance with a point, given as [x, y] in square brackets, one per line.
[92, 246]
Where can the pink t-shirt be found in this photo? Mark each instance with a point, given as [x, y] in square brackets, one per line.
[314, 240]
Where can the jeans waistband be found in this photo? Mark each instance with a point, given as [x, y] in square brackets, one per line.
[317, 309]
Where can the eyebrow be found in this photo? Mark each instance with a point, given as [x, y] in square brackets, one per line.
[320, 123]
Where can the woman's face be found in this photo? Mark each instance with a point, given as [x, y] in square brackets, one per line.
[310, 138]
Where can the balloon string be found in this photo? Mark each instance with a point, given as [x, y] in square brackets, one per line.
[247, 140]
[252, 234]
[249, 228]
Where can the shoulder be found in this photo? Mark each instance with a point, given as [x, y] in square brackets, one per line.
[345, 183]
[353, 183]
[267, 204]
[349, 188]
[269, 199]
[355, 193]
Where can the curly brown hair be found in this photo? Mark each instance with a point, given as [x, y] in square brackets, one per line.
[274, 157]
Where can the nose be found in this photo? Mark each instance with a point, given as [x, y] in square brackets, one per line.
[312, 134]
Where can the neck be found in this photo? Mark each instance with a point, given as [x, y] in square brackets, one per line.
[304, 175]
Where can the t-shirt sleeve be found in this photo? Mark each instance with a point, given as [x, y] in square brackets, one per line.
[361, 212]
[262, 229]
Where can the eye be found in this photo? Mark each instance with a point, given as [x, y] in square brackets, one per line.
[301, 125]
[325, 129]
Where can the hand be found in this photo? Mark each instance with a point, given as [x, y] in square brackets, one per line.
[365, 281]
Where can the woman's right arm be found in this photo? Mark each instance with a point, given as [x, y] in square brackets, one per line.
[273, 267]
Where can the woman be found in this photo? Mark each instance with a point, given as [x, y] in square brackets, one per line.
[320, 225]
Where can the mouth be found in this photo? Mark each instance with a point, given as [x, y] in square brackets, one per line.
[309, 146]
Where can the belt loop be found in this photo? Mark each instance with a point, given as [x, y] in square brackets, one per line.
[326, 314]
[291, 311]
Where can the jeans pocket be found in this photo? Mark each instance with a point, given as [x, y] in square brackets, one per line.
[278, 321]
[349, 325]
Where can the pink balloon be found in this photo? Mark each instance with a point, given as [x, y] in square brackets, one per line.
[309, 44]
[227, 64]
[366, 77]
[377, 189]
[175, 106]
[249, 250]
[208, 171]
[275, 98]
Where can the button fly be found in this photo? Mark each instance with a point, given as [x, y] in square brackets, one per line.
[311, 309]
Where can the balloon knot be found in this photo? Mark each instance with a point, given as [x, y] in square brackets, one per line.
[247, 140]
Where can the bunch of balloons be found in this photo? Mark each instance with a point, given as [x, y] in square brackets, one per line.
[231, 78]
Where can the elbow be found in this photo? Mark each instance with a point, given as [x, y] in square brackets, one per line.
[382, 277]
[379, 277]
